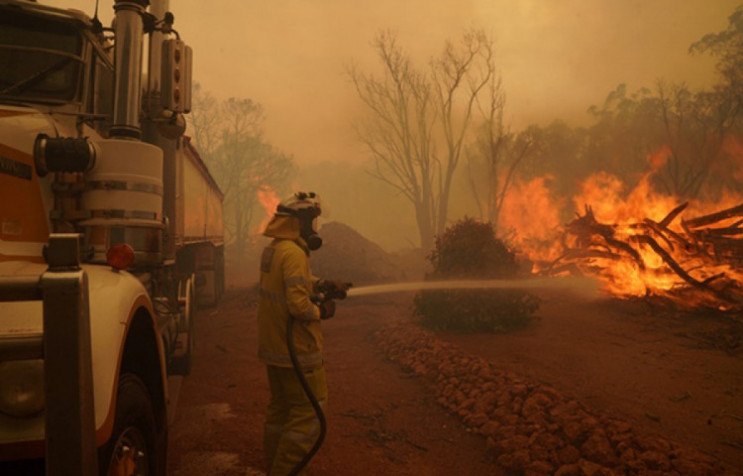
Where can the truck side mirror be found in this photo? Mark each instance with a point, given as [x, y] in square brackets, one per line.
[176, 76]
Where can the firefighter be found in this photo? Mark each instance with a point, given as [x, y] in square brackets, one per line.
[286, 288]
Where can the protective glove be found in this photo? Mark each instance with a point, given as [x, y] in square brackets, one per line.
[327, 309]
[333, 289]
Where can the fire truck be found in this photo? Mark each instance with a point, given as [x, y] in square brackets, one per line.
[97, 178]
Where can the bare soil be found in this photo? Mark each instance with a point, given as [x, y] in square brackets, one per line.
[677, 377]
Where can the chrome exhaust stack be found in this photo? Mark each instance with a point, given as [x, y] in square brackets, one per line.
[128, 30]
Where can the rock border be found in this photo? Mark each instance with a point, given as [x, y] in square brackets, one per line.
[531, 428]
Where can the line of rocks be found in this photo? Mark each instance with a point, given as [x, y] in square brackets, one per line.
[530, 427]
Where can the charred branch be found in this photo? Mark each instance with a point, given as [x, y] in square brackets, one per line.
[715, 217]
[698, 247]
[672, 216]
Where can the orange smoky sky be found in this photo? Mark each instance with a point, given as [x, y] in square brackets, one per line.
[556, 58]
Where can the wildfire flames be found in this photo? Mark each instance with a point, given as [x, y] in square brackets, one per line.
[636, 244]
[269, 201]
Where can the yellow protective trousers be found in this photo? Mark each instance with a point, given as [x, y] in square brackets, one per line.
[291, 426]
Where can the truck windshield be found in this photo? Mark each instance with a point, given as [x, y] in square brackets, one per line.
[40, 58]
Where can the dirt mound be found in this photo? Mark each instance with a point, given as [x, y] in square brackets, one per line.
[348, 256]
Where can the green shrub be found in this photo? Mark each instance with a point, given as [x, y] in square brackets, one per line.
[470, 250]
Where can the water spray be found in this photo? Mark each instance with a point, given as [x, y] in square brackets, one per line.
[583, 286]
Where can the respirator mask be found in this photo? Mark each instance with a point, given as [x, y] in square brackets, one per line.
[308, 232]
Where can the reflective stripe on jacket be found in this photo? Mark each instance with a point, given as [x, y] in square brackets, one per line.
[285, 288]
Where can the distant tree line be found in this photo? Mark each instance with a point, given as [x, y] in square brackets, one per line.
[423, 122]
[229, 137]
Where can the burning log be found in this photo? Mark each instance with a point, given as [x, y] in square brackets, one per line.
[715, 217]
[671, 216]
[699, 264]
[591, 233]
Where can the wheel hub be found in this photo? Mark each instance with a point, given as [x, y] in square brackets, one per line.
[129, 456]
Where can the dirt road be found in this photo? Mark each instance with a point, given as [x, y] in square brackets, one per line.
[654, 372]
[380, 420]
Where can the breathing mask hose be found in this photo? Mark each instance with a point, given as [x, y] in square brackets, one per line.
[310, 396]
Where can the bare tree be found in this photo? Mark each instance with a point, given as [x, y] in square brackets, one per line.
[461, 75]
[495, 154]
[418, 121]
[399, 129]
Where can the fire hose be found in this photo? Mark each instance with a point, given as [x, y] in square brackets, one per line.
[327, 291]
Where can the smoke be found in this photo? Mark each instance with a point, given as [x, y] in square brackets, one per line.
[351, 196]
[556, 60]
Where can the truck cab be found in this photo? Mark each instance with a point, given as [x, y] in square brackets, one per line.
[88, 147]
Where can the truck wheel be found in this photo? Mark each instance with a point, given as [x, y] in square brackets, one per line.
[131, 448]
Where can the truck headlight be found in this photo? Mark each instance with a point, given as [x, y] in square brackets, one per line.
[22, 387]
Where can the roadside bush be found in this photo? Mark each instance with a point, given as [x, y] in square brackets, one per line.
[469, 250]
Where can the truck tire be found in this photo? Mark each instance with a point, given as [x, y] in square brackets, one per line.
[131, 450]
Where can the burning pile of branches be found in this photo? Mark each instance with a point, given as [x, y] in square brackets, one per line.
[695, 263]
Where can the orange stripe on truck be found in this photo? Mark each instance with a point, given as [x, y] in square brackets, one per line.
[10, 113]
[22, 215]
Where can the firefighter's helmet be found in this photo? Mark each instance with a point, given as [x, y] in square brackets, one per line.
[300, 204]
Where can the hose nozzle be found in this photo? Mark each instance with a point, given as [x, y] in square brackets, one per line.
[327, 290]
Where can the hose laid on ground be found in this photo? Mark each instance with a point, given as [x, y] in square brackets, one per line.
[310, 396]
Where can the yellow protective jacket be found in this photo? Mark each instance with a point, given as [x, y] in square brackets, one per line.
[286, 285]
